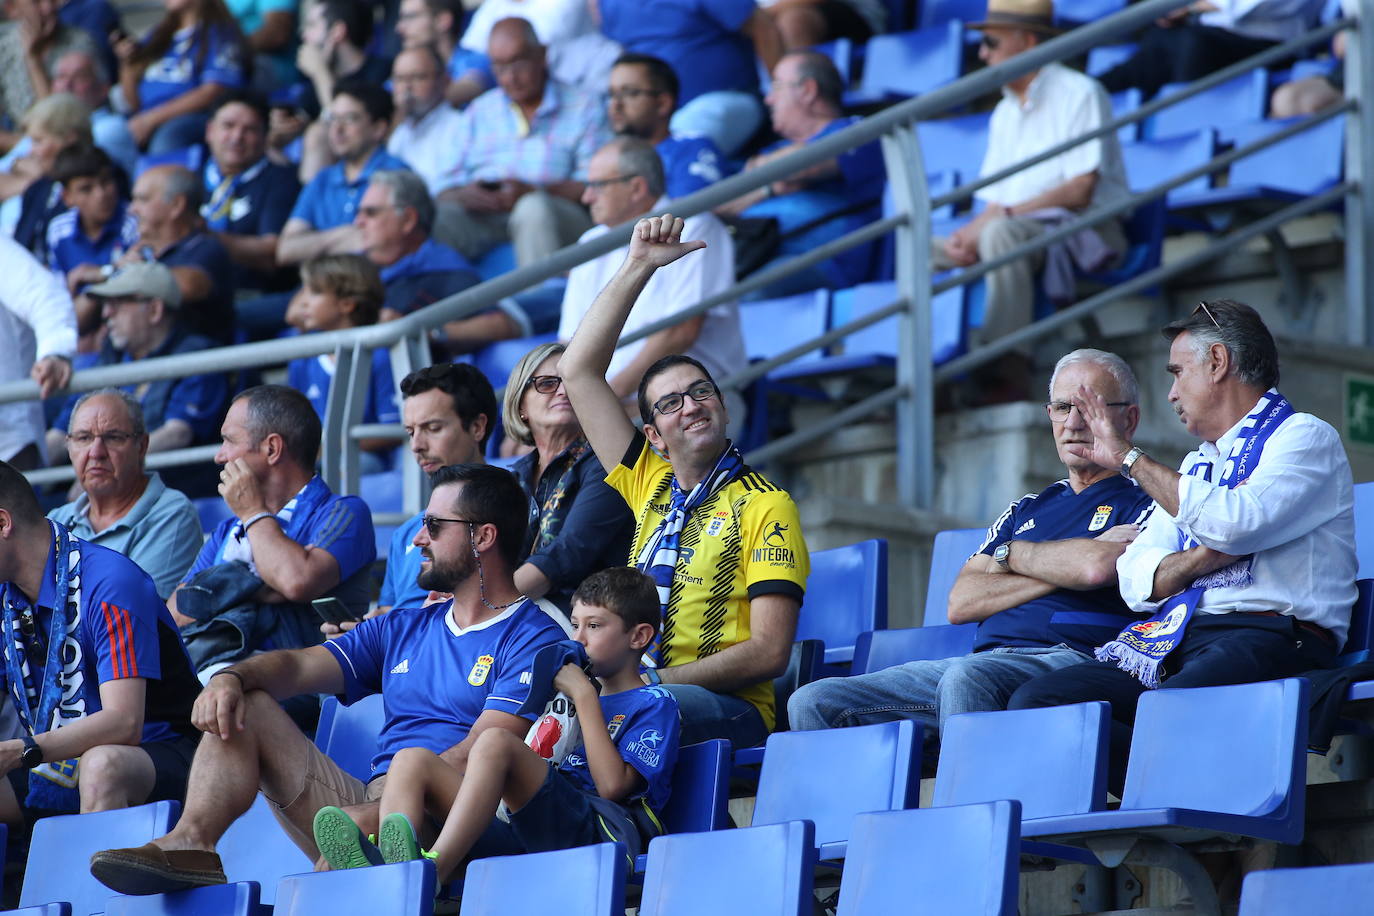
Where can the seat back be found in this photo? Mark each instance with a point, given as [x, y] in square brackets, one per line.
[58, 842]
[351, 738]
[701, 788]
[954, 144]
[1235, 101]
[1186, 744]
[939, 12]
[1149, 162]
[255, 848]
[962, 859]
[846, 594]
[829, 776]
[1307, 163]
[880, 341]
[1331, 890]
[910, 63]
[1052, 760]
[879, 649]
[1104, 57]
[771, 326]
[1364, 533]
[585, 881]
[949, 553]
[1070, 13]
[752, 870]
[222, 900]
[403, 889]
[46, 909]
[1359, 640]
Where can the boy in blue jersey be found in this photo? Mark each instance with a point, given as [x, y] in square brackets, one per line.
[629, 747]
[97, 228]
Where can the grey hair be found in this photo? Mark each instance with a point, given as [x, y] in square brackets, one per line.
[637, 156]
[1237, 327]
[516, 427]
[130, 403]
[182, 182]
[815, 66]
[408, 191]
[1127, 387]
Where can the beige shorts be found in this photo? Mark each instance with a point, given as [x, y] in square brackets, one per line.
[323, 783]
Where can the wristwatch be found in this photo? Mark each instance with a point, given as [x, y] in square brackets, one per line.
[1131, 458]
[32, 755]
[1002, 555]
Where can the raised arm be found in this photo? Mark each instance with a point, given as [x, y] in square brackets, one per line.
[657, 242]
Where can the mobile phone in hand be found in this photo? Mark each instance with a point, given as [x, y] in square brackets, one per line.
[332, 610]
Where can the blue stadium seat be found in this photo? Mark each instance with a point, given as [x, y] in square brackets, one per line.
[212, 511]
[829, 776]
[1364, 532]
[383, 491]
[1331, 890]
[956, 144]
[239, 899]
[1359, 641]
[877, 344]
[1105, 57]
[1070, 13]
[846, 594]
[1144, 230]
[1150, 162]
[256, 849]
[1245, 98]
[700, 791]
[948, 555]
[46, 909]
[1295, 168]
[404, 889]
[1125, 102]
[742, 872]
[351, 737]
[61, 846]
[500, 260]
[937, 184]
[585, 881]
[879, 649]
[496, 360]
[962, 859]
[903, 64]
[941, 12]
[772, 326]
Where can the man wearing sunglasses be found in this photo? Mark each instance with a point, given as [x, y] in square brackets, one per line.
[723, 544]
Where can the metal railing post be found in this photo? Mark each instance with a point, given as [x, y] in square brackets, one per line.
[1359, 171]
[915, 412]
[359, 383]
[335, 422]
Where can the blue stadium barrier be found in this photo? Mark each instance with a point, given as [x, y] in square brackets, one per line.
[256, 849]
[879, 649]
[902, 64]
[846, 594]
[240, 899]
[348, 734]
[747, 871]
[585, 881]
[61, 846]
[1245, 98]
[1329, 890]
[404, 889]
[948, 555]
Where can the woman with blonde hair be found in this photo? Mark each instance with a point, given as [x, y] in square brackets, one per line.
[51, 125]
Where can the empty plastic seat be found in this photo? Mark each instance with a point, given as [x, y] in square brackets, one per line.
[956, 144]
[497, 261]
[878, 343]
[404, 889]
[701, 788]
[1245, 98]
[1070, 13]
[222, 900]
[902, 64]
[879, 649]
[829, 776]
[1105, 57]
[773, 326]
[962, 859]
[348, 734]
[1298, 167]
[1331, 890]
[949, 553]
[1151, 162]
[62, 845]
[745, 872]
[586, 881]
[846, 595]
[256, 849]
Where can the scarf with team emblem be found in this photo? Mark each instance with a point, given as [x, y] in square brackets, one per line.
[1139, 650]
[660, 553]
[57, 698]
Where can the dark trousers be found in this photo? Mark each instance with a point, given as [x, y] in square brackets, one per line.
[1217, 649]
[1179, 55]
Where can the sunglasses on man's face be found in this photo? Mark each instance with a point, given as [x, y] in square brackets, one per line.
[991, 42]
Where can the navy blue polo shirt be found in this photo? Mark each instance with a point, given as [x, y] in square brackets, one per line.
[1082, 620]
[69, 247]
[212, 316]
[330, 199]
[690, 164]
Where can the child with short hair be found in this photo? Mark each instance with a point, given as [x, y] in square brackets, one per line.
[625, 762]
[97, 228]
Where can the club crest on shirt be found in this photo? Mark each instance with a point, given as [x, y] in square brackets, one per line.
[1100, 518]
[717, 523]
[613, 726]
[480, 669]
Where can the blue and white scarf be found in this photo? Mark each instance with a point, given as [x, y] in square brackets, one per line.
[659, 557]
[1140, 649]
[236, 543]
[58, 698]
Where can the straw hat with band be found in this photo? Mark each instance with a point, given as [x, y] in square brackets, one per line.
[1031, 15]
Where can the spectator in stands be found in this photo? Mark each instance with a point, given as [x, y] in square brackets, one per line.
[1038, 110]
[640, 103]
[1042, 587]
[526, 144]
[578, 54]
[427, 128]
[96, 228]
[31, 36]
[1248, 561]
[177, 73]
[447, 674]
[625, 182]
[840, 194]
[712, 47]
[141, 305]
[121, 700]
[98, 19]
[341, 291]
[269, 28]
[578, 524]
[248, 197]
[585, 797]
[122, 507]
[435, 23]
[52, 125]
[1203, 37]
[806, 23]
[83, 75]
[722, 542]
[33, 306]
[290, 540]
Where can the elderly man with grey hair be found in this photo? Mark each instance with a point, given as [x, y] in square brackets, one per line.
[122, 506]
[1042, 587]
[625, 182]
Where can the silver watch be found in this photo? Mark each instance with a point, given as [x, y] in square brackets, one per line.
[1131, 458]
[1002, 555]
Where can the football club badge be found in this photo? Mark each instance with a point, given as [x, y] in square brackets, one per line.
[717, 524]
[480, 669]
[1100, 518]
[613, 726]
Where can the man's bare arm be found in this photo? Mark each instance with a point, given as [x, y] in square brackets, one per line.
[983, 588]
[1081, 564]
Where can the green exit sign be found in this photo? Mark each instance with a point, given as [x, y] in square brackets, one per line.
[1359, 409]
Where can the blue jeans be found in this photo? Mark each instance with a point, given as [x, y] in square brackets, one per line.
[707, 714]
[927, 691]
[729, 117]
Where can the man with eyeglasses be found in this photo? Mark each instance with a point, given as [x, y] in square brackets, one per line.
[446, 673]
[426, 133]
[722, 542]
[122, 506]
[625, 181]
[1041, 588]
[1248, 562]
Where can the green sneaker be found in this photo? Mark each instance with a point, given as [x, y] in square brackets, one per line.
[397, 840]
[341, 842]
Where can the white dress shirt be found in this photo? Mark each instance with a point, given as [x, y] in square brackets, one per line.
[37, 320]
[431, 146]
[1294, 513]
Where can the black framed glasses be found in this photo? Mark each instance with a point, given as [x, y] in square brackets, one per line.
[434, 525]
[1059, 410]
[991, 42]
[672, 403]
[544, 384]
[114, 439]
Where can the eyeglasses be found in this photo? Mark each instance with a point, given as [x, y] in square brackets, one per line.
[434, 525]
[1202, 306]
[545, 384]
[630, 93]
[372, 211]
[991, 42]
[672, 403]
[600, 183]
[1060, 410]
[112, 440]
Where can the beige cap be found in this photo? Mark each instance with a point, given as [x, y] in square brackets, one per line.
[144, 278]
[1032, 15]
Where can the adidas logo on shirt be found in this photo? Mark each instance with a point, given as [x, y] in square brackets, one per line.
[402, 668]
[1026, 527]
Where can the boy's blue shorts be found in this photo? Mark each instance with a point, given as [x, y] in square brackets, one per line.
[559, 816]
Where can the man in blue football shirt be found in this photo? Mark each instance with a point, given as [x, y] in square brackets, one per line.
[446, 673]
